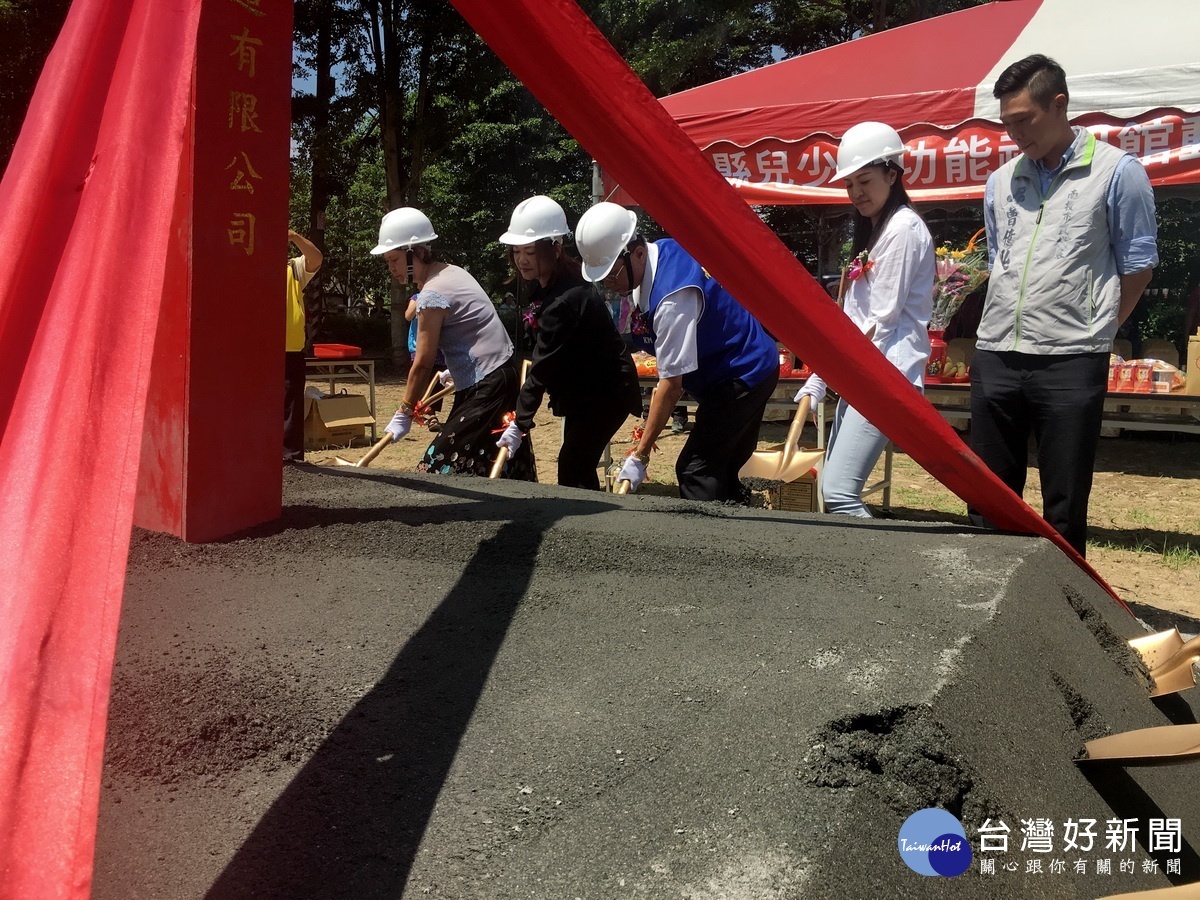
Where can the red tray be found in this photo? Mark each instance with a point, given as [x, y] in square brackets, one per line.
[336, 351]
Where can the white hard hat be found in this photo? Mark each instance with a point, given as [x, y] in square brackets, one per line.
[603, 233]
[404, 228]
[867, 143]
[535, 219]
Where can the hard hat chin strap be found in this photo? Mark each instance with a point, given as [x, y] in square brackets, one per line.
[628, 268]
[409, 263]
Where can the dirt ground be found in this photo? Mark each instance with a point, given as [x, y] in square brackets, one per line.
[1144, 515]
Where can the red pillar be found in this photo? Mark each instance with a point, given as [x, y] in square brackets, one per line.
[212, 445]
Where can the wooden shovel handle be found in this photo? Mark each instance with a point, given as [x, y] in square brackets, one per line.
[373, 452]
[502, 455]
[498, 466]
[793, 435]
[428, 390]
[449, 389]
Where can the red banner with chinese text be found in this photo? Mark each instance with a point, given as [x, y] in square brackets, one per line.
[943, 166]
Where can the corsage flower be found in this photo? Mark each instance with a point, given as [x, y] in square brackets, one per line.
[860, 266]
[530, 316]
[639, 322]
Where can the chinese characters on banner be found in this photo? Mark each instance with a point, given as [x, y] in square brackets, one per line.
[243, 126]
[952, 165]
[1080, 846]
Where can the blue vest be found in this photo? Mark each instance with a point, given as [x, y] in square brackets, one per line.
[729, 341]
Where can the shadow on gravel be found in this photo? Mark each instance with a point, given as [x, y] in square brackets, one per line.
[351, 822]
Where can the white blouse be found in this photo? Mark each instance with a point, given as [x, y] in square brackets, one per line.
[895, 296]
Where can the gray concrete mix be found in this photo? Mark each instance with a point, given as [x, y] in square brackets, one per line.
[446, 687]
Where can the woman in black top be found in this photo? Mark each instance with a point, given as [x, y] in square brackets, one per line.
[578, 357]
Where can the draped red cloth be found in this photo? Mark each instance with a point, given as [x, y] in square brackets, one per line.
[584, 84]
[87, 204]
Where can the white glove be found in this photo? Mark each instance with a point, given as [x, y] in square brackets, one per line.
[444, 378]
[633, 471]
[813, 387]
[511, 439]
[400, 425]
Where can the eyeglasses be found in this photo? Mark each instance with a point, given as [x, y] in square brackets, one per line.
[613, 281]
[612, 276]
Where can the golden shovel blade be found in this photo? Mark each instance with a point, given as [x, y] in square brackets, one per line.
[1177, 673]
[1169, 660]
[1161, 746]
[787, 461]
[1156, 649]
[774, 463]
[1179, 892]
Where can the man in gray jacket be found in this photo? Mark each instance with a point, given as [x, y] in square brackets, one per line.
[1072, 245]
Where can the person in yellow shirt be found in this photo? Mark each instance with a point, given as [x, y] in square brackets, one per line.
[300, 271]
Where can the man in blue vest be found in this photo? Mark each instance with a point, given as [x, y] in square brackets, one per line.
[705, 342]
[1072, 244]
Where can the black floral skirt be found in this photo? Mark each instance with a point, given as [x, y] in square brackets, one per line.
[466, 445]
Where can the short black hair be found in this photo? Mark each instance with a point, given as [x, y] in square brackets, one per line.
[1039, 74]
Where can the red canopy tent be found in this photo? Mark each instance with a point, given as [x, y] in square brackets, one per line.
[1133, 71]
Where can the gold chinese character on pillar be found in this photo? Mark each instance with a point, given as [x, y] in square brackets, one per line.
[243, 109]
[241, 232]
[251, 6]
[244, 49]
[243, 174]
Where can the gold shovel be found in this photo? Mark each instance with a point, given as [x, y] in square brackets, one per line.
[1169, 659]
[787, 461]
[1178, 892]
[1161, 746]
[502, 454]
[387, 438]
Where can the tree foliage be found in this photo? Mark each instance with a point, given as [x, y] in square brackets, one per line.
[424, 114]
[400, 103]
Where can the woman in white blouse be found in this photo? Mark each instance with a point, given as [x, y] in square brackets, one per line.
[890, 297]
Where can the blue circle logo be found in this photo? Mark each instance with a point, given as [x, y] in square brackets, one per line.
[933, 842]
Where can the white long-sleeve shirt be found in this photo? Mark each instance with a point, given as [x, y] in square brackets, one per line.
[896, 295]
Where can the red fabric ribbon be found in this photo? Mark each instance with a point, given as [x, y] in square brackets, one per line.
[638, 432]
[101, 145]
[509, 418]
[420, 411]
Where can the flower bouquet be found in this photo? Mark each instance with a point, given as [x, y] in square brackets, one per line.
[958, 274]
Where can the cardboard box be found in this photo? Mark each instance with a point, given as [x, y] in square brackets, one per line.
[1193, 364]
[796, 496]
[335, 421]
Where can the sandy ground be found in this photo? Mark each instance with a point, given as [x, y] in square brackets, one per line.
[1144, 516]
[419, 686]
